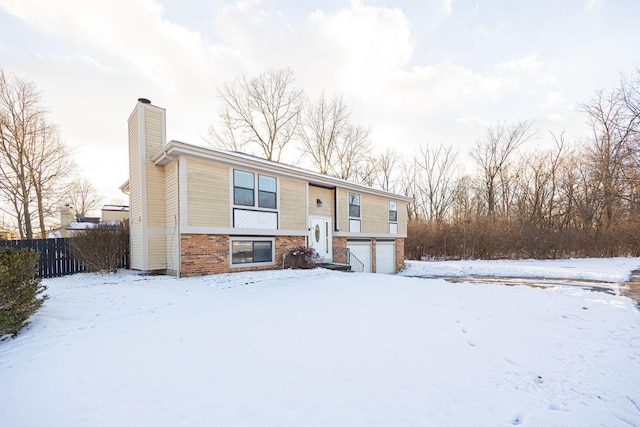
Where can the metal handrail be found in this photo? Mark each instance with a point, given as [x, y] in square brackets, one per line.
[355, 263]
[345, 256]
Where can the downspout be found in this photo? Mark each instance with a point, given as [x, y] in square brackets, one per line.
[335, 209]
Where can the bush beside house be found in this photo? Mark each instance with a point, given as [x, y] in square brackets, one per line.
[21, 293]
[302, 257]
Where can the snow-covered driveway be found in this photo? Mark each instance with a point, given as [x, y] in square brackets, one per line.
[319, 348]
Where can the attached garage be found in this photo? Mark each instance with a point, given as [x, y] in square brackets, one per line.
[362, 250]
[385, 256]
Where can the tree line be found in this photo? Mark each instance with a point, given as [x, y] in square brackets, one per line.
[577, 198]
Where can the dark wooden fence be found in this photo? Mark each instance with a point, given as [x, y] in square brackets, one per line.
[56, 258]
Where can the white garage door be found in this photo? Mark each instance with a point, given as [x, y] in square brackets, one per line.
[385, 257]
[362, 250]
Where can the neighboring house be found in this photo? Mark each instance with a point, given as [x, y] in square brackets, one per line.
[197, 210]
[71, 223]
[5, 234]
[115, 213]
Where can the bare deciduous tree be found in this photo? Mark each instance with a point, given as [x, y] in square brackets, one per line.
[386, 164]
[610, 149]
[228, 135]
[437, 180]
[322, 129]
[409, 187]
[33, 159]
[259, 113]
[83, 196]
[492, 155]
[353, 154]
[336, 146]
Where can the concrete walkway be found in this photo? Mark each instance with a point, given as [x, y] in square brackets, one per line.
[631, 288]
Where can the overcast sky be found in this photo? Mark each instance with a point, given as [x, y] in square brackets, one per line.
[414, 72]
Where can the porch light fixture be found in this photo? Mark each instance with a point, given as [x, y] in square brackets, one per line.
[319, 203]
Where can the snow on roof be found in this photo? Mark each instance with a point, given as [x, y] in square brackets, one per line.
[119, 208]
[81, 225]
[54, 234]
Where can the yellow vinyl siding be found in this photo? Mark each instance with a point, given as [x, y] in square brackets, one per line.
[153, 131]
[323, 194]
[293, 211]
[155, 196]
[402, 218]
[134, 175]
[208, 193]
[343, 207]
[114, 216]
[135, 194]
[374, 211]
[171, 202]
[136, 252]
[157, 252]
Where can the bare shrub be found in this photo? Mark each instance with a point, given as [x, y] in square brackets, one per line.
[102, 248]
[302, 257]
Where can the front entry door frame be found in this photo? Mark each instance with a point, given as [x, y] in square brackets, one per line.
[321, 236]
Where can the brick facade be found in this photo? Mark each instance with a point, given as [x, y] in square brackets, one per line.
[204, 254]
[339, 250]
[399, 254]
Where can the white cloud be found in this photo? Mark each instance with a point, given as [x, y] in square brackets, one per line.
[552, 100]
[525, 68]
[365, 45]
[446, 7]
[594, 5]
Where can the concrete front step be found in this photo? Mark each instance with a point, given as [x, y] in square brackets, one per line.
[335, 266]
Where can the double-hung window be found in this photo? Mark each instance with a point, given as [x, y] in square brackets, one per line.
[354, 213]
[266, 192]
[243, 188]
[393, 217]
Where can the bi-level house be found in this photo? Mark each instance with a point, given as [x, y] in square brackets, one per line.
[197, 210]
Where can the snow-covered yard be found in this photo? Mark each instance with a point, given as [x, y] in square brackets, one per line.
[320, 348]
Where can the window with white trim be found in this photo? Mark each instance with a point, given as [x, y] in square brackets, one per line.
[247, 184]
[251, 251]
[267, 192]
[243, 188]
[393, 217]
[354, 213]
[393, 211]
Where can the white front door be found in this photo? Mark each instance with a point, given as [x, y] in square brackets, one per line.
[320, 236]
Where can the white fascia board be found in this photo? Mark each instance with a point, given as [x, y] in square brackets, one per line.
[191, 229]
[369, 235]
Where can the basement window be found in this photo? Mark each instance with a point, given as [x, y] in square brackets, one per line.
[251, 251]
